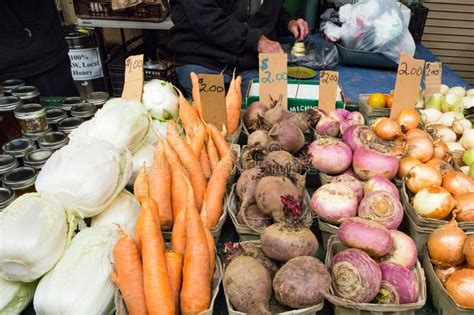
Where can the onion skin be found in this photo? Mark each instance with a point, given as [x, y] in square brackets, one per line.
[415, 133]
[465, 206]
[442, 166]
[446, 244]
[420, 148]
[406, 164]
[441, 151]
[402, 279]
[365, 235]
[460, 286]
[458, 183]
[355, 276]
[443, 274]
[380, 183]
[468, 250]
[368, 163]
[433, 202]
[358, 136]
[383, 208]
[422, 176]
[385, 128]
[408, 119]
[351, 182]
[330, 156]
[334, 202]
[403, 251]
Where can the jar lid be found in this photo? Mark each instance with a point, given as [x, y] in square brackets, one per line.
[18, 147]
[8, 103]
[98, 98]
[7, 163]
[69, 124]
[37, 158]
[25, 91]
[36, 135]
[68, 102]
[9, 85]
[6, 197]
[83, 110]
[53, 140]
[20, 177]
[29, 111]
[54, 115]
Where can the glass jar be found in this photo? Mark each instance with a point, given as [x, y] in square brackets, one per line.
[85, 111]
[19, 147]
[98, 98]
[9, 85]
[7, 163]
[28, 94]
[37, 158]
[34, 136]
[32, 117]
[7, 196]
[55, 115]
[68, 102]
[53, 140]
[21, 180]
[67, 125]
[9, 127]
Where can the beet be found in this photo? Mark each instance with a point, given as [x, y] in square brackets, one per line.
[252, 250]
[253, 115]
[247, 185]
[252, 157]
[268, 194]
[281, 162]
[252, 217]
[305, 120]
[275, 115]
[258, 138]
[290, 137]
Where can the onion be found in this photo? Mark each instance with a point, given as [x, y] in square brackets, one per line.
[420, 148]
[443, 274]
[334, 202]
[330, 155]
[383, 208]
[458, 183]
[442, 166]
[445, 245]
[468, 157]
[408, 119]
[403, 251]
[465, 207]
[441, 150]
[402, 279]
[355, 276]
[447, 119]
[455, 147]
[467, 139]
[339, 114]
[433, 202]
[445, 134]
[328, 127]
[422, 176]
[460, 286]
[465, 169]
[460, 125]
[356, 117]
[358, 136]
[406, 164]
[468, 250]
[253, 115]
[351, 182]
[430, 115]
[380, 183]
[412, 133]
[385, 128]
[369, 236]
[368, 163]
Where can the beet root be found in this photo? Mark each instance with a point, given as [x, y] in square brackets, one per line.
[269, 192]
[247, 185]
[258, 138]
[275, 115]
[252, 157]
[252, 217]
[248, 285]
[253, 115]
[290, 137]
[281, 163]
[252, 250]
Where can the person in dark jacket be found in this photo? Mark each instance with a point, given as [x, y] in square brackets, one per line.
[33, 47]
[210, 36]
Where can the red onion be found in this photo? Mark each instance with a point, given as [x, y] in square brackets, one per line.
[402, 279]
[339, 114]
[352, 183]
[327, 126]
[253, 115]
[368, 163]
[370, 236]
[356, 117]
[330, 155]
[334, 202]
[355, 276]
[358, 136]
[381, 207]
[403, 250]
[380, 183]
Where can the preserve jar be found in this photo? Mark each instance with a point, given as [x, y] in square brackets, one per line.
[19, 147]
[53, 140]
[67, 125]
[9, 85]
[7, 196]
[68, 102]
[37, 158]
[9, 127]
[85, 111]
[34, 136]
[7, 163]
[21, 180]
[55, 115]
[98, 98]
[28, 94]
[32, 117]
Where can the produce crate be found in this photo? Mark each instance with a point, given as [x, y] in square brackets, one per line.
[371, 113]
[335, 246]
[149, 11]
[419, 234]
[327, 230]
[305, 311]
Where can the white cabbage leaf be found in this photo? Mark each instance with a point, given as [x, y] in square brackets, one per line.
[161, 99]
[15, 296]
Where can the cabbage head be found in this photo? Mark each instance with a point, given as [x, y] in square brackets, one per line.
[15, 296]
[161, 99]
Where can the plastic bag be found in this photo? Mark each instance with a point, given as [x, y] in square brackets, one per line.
[320, 54]
[372, 25]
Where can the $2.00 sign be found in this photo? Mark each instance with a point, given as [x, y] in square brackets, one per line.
[433, 72]
[328, 83]
[273, 79]
[212, 95]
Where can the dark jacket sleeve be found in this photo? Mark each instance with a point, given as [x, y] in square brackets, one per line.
[282, 24]
[213, 25]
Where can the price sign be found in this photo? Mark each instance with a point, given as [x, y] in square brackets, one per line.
[133, 85]
[328, 83]
[407, 86]
[273, 79]
[212, 95]
[433, 73]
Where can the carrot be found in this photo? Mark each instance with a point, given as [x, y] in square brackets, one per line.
[178, 236]
[196, 95]
[200, 135]
[138, 229]
[178, 182]
[174, 262]
[205, 164]
[128, 274]
[140, 185]
[233, 105]
[210, 241]
[219, 141]
[212, 154]
[159, 181]
[158, 295]
[189, 161]
[188, 115]
[196, 289]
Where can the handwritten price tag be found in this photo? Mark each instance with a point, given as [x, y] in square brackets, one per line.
[212, 93]
[328, 83]
[273, 79]
[407, 86]
[133, 85]
[433, 74]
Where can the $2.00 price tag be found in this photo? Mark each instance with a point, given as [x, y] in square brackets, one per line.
[273, 79]
[212, 94]
[133, 85]
[433, 73]
[328, 83]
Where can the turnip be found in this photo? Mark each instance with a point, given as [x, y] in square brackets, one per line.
[269, 192]
[258, 138]
[253, 115]
[235, 250]
[252, 217]
[288, 135]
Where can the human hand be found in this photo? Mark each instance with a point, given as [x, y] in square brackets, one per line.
[299, 28]
[266, 45]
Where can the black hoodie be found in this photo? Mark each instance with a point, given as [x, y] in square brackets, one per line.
[220, 33]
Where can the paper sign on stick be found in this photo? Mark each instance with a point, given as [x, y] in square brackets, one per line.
[273, 80]
[212, 93]
[133, 85]
[433, 73]
[328, 83]
[407, 86]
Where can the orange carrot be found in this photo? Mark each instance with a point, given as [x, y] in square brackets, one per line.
[178, 236]
[196, 95]
[140, 185]
[200, 135]
[205, 164]
[158, 295]
[138, 230]
[189, 161]
[188, 115]
[174, 262]
[233, 105]
[219, 141]
[196, 289]
[179, 187]
[128, 274]
[210, 241]
[212, 154]
[159, 180]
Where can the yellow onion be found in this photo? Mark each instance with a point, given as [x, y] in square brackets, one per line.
[423, 176]
[446, 245]
[406, 164]
[460, 286]
[385, 128]
[433, 202]
[468, 250]
[443, 274]
[441, 151]
[408, 119]
[442, 166]
[465, 207]
[420, 148]
[415, 133]
[458, 183]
